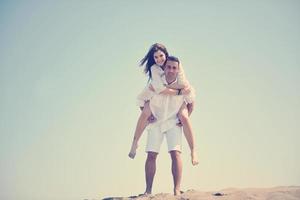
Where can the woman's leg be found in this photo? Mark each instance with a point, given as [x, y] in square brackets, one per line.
[140, 127]
[188, 132]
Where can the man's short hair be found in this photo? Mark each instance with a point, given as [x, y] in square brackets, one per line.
[173, 58]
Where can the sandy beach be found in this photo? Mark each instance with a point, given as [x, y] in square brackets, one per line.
[275, 193]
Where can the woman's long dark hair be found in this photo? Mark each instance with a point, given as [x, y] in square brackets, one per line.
[149, 57]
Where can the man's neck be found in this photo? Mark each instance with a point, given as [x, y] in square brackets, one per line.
[170, 79]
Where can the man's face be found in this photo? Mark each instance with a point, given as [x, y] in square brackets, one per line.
[171, 69]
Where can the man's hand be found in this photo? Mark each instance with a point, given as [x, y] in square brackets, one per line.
[179, 123]
[151, 119]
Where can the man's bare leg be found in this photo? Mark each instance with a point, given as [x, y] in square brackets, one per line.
[176, 170]
[140, 127]
[150, 168]
[188, 132]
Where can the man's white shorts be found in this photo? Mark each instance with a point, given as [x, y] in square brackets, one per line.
[155, 138]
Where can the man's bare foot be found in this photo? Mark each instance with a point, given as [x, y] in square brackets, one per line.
[145, 194]
[177, 192]
[132, 152]
[194, 158]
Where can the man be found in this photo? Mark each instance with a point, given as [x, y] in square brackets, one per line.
[165, 109]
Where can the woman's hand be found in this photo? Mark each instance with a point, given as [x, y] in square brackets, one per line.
[186, 90]
[151, 88]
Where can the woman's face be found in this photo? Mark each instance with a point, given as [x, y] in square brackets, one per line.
[159, 57]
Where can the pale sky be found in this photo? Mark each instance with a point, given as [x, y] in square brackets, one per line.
[69, 78]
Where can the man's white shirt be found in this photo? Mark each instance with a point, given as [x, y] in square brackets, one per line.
[165, 109]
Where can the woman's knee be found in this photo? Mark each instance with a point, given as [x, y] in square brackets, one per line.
[146, 112]
[183, 115]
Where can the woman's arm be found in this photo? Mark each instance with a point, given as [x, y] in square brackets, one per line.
[166, 91]
[169, 91]
[158, 83]
[159, 86]
[176, 85]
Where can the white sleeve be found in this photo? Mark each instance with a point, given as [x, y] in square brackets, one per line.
[157, 81]
[190, 98]
[144, 96]
[181, 79]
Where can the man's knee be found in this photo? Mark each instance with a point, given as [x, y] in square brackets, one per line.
[151, 156]
[175, 155]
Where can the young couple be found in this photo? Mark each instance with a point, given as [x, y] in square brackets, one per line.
[155, 64]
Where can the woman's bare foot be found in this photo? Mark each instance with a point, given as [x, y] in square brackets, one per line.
[132, 152]
[194, 158]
